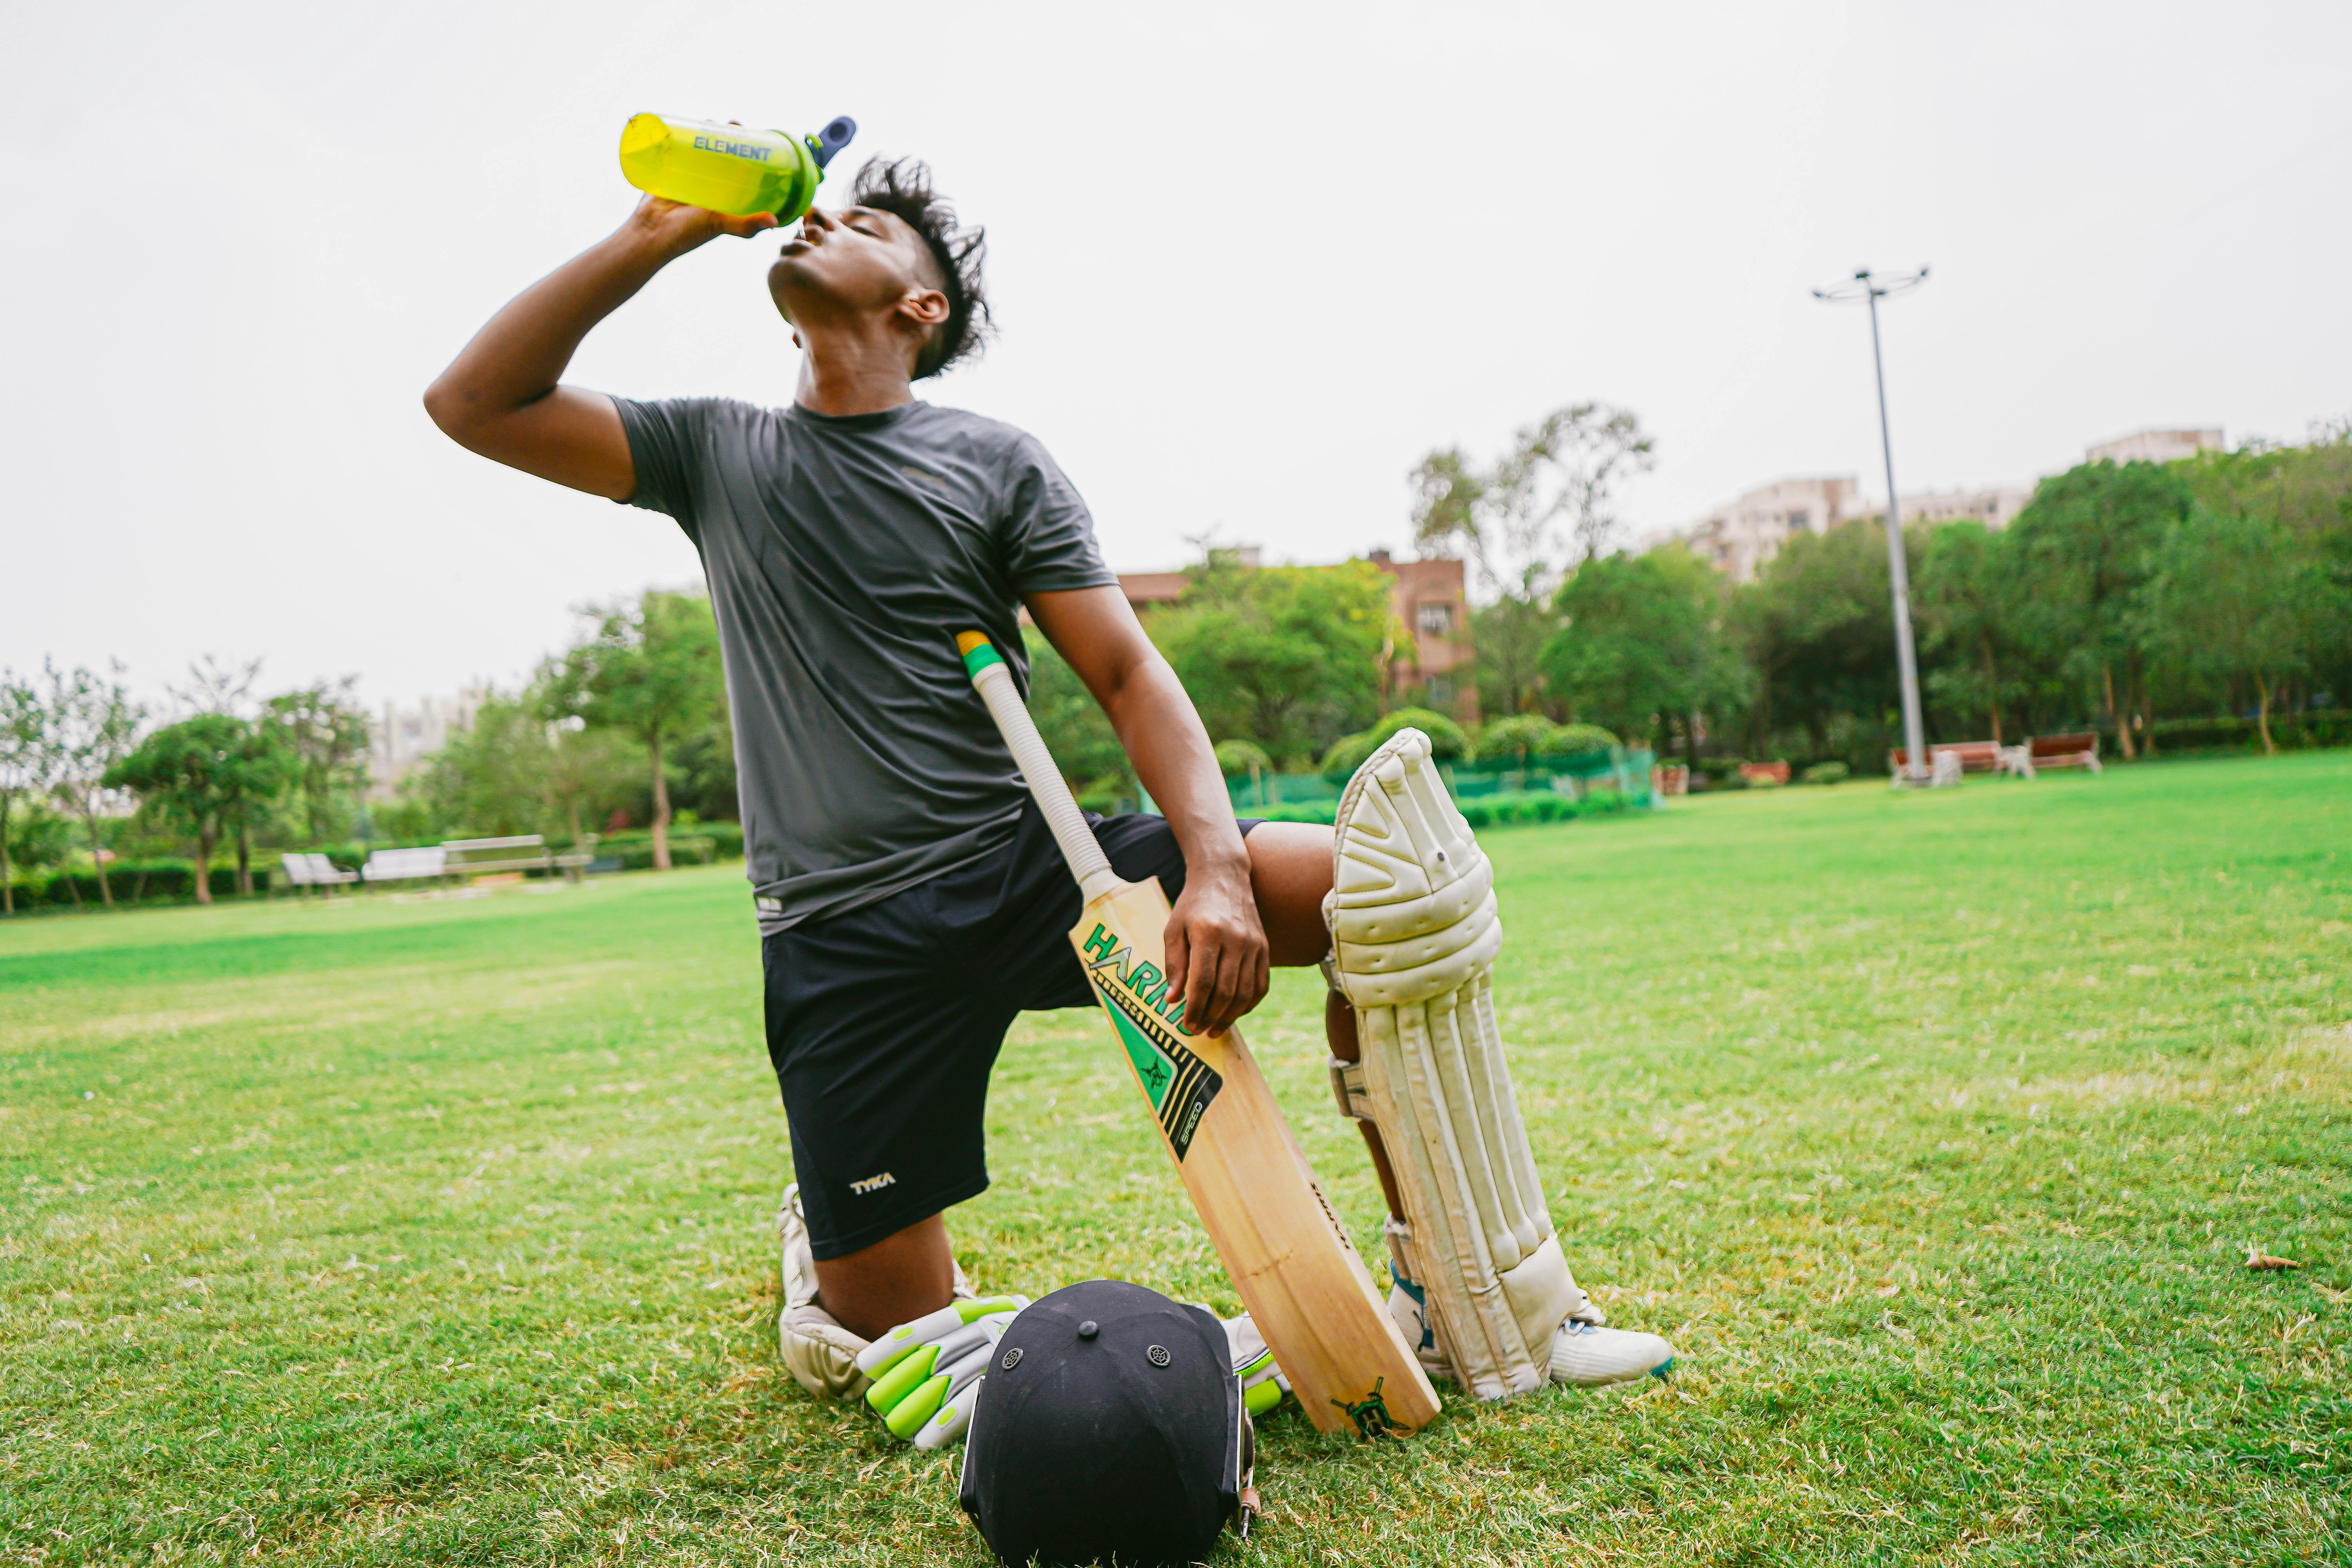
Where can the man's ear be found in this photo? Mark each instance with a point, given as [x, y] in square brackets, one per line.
[918, 314]
[923, 307]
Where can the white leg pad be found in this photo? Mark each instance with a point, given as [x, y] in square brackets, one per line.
[1414, 935]
[818, 1352]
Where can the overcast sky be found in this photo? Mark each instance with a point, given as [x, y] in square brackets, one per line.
[1250, 261]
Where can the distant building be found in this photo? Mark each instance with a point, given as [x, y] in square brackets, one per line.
[2156, 445]
[1738, 538]
[1741, 536]
[1995, 506]
[407, 736]
[1430, 599]
[1143, 588]
[1427, 597]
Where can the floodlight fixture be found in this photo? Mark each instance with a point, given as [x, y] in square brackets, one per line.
[1867, 284]
[1871, 287]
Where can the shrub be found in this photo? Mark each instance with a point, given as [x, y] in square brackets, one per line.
[164, 881]
[725, 840]
[2291, 731]
[1825, 773]
[38, 837]
[1235, 759]
[684, 849]
[1103, 794]
[1508, 743]
[1576, 739]
[1531, 807]
[1346, 755]
[1447, 740]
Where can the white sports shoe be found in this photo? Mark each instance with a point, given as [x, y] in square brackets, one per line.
[1583, 1354]
[818, 1352]
[1587, 1355]
[1409, 1305]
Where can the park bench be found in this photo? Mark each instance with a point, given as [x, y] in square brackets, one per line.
[428, 862]
[307, 871]
[1948, 759]
[1765, 773]
[519, 852]
[1973, 756]
[2080, 751]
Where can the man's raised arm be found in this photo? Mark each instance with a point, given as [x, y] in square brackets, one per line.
[500, 396]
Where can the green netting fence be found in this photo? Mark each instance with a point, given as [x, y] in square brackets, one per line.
[1548, 789]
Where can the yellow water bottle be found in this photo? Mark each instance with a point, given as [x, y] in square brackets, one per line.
[728, 168]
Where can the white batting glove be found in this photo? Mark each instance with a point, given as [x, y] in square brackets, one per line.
[927, 1372]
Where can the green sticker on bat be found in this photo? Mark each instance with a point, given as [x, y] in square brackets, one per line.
[1179, 1084]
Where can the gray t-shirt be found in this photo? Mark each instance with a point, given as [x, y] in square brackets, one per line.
[844, 554]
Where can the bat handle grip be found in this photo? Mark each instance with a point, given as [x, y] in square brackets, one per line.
[994, 683]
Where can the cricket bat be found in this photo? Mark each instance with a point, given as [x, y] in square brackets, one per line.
[1306, 1286]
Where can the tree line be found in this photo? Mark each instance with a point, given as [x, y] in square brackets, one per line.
[2131, 598]
[2136, 598]
[626, 725]
[1288, 667]
[75, 748]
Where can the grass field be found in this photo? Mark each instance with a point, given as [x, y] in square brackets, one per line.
[1933, 1129]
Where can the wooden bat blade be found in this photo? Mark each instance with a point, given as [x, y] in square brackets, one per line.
[1288, 1254]
[1289, 1258]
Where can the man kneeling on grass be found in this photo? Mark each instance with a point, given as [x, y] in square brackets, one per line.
[910, 899]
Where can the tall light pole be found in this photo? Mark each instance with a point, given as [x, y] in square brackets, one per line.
[1871, 288]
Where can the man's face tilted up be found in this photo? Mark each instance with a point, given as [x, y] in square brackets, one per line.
[859, 269]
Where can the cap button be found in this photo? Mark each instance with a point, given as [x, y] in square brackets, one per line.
[1089, 1329]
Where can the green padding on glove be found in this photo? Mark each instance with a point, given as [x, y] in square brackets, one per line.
[906, 1417]
[954, 1415]
[930, 1367]
[894, 1385]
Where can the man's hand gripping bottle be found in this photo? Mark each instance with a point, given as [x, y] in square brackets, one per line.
[728, 168]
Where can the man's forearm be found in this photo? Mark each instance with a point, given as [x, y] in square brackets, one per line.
[1215, 948]
[520, 354]
[501, 397]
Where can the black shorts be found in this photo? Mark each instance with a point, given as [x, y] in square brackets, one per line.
[883, 1022]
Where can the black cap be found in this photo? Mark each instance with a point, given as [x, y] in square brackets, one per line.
[1110, 1429]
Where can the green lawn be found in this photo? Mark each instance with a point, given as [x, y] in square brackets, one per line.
[1933, 1129]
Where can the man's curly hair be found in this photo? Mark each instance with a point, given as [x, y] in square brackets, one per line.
[903, 189]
